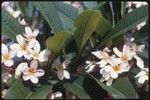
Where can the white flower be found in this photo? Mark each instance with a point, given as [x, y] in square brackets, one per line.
[36, 54]
[61, 69]
[126, 54]
[143, 75]
[7, 56]
[90, 66]
[103, 55]
[29, 34]
[3, 93]
[22, 48]
[56, 95]
[32, 72]
[20, 69]
[116, 67]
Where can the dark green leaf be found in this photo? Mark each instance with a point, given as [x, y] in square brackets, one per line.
[10, 25]
[85, 25]
[128, 22]
[56, 42]
[77, 89]
[49, 12]
[19, 91]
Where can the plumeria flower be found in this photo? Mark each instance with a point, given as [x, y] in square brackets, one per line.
[29, 34]
[142, 75]
[7, 56]
[126, 54]
[116, 67]
[106, 76]
[103, 55]
[32, 73]
[22, 48]
[37, 55]
[61, 69]
[56, 95]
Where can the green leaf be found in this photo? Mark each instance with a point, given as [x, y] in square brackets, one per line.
[85, 25]
[10, 25]
[77, 89]
[50, 14]
[128, 22]
[125, 87]
[56, 42]
[103, 26]
[90, 5]
[144, 53]
[67, 14]
[115, 93]
[19, 91]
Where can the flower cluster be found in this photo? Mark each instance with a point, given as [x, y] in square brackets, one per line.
[29, 48]
[118, 63]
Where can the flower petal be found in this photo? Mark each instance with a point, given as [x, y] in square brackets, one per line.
[12, 53]
[126, 49]
[19, 69]
[90, 67]
[20, 39]
[66, 74]
[9, 63]
[98, 54]
[109, 82]
[65, 63]
[141, 80]
[32, 43]
[34, 64]
[26, 77]
[14, 46]
[39, 73]
[4, 49]
[142, 73]
[43, 55]
[114, 75]
[28, 30]
[102, 63]
[117, 52]
[60, 75]
[139, 61]
[37, 47]
[35, 32]
[34, 79]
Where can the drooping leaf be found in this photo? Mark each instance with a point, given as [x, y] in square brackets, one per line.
[103, 26]
[128, 22]
[19, 91]
[125, 87]
[115, 93]
[49, 13]
[10, 25]
[67, 14]
[56, 42]
[85, 25]
[76, 88]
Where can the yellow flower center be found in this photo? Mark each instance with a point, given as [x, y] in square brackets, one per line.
[35, 54]
[116, 68]
[31, 71]
[24, 47]
[59, 67]
[124, 57]
[5, 57]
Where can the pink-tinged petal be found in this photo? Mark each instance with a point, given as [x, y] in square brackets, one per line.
[12, 53]
[117, 52]
[98, 54]
[141, 80]
[66, 74]
[114, 75]
[26, 77]
[35, 32]
[34, 79]
[65, 63]
[9, 63]
[20, 39]
[28, 30]
[126, 49]
[26, 71]
[39, 73]
[19, 69]
[37, 47]
[109, 82]
[60, 75]
[14, 46]
[34, 64]
[139, 61]
[4, 49]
